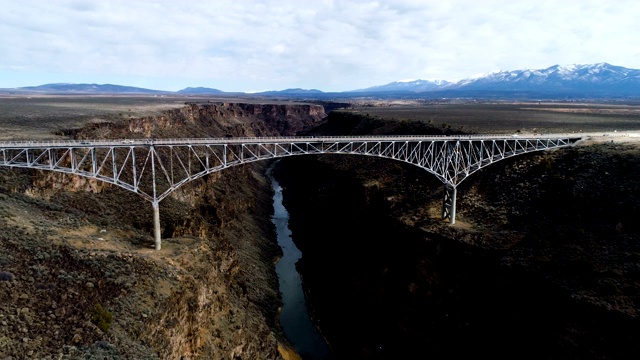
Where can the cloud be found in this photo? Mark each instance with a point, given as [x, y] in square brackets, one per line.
[330, 45]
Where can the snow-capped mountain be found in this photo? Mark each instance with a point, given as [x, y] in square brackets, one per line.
[575, 80]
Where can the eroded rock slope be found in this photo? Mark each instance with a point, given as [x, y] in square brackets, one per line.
[543, 262]
[79, 278]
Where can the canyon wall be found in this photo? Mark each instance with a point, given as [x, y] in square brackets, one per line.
[80, 278]
[542, 263]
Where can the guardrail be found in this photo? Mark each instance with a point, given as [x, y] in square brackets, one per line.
[275, 139]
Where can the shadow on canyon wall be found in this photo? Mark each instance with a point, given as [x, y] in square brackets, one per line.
[542, 265]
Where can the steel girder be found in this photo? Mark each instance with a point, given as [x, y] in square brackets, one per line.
[154, 169]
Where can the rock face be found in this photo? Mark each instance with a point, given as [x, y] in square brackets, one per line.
[218, 119]
[542, 264]
[78, 277]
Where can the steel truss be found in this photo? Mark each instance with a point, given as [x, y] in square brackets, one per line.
[154, 169]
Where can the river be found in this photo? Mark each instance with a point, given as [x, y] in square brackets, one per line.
[294, 318]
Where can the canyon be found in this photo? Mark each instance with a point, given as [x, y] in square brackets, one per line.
[542, 263]
[70, 244]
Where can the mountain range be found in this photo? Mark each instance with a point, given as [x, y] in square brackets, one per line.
[600, 80]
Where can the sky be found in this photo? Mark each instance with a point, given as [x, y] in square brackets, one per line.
[330, 45]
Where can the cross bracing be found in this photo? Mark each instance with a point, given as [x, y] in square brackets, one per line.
[156, 168]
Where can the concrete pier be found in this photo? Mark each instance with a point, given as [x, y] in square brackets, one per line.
[449, 204]
[156, 226]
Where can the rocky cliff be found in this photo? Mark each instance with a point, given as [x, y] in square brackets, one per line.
[79, 278]
[542, 263]
[212, 120]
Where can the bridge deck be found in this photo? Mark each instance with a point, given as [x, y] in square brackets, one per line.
[155, 168]
[274, 139]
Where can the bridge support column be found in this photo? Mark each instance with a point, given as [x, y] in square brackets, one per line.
[156, 226]
[449, 203]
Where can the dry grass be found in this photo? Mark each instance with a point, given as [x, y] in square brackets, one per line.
[127, 277]
[41, 117]
[500, 118]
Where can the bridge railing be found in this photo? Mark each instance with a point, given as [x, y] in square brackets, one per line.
[270, 139]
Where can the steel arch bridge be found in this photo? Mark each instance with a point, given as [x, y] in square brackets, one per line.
[154, 168]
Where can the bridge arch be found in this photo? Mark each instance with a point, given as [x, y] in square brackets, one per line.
[154, 169]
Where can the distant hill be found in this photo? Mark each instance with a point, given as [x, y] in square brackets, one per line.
[556, 82]
[296, 92]
[199, 91]
[89, 89]
[407, 85]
